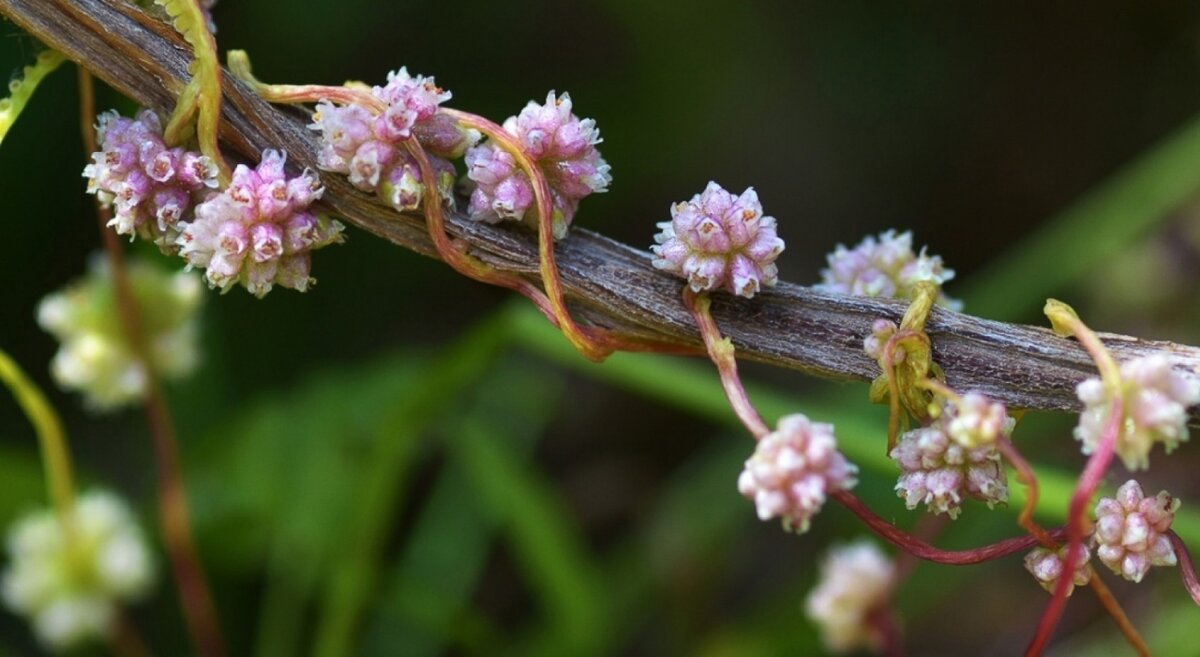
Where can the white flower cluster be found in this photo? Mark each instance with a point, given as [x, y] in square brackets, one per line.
[885, 267]
[1156, 399]
[855, 581]
[939, 472]
[1046, 566]
[70, 584]
[792, 471]
[96, 358]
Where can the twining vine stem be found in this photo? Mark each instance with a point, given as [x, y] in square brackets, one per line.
[608, 283]
[198, 608]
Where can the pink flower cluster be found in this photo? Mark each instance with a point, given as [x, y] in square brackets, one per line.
[150, 187]
[369, 148]
[259, 232]
[720, 240]
[939, 472]
[1131, 531]
[885, 267]
[1156, 399]
[792, 471]
[1046, 566]
[561, 144]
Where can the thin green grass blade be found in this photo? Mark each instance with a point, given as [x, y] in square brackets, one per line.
[425, 603]
[1122, 208]
[544, 539]
[351, 582]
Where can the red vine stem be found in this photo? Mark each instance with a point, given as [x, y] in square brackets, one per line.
[720, 350]
[1089, 481]
[195, 598]
[454, 256]
[593, 342]
[1187, 569]
[584, 342]
[927, 552]
[1026, 476]
[1025, 520]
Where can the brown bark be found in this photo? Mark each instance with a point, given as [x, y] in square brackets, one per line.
[610, 283]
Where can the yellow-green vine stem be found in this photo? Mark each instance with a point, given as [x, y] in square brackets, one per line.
[290, 94]
[1065, 321]
[21, 89]
[203, 94]
[56, 457]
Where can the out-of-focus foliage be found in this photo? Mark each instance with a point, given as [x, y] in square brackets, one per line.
[395, 460]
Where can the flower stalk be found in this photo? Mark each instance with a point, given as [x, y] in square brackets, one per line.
[1077, 525]
[584, 342]
[1187, 569]
[195, 598]
[721, 351]
[56, 456]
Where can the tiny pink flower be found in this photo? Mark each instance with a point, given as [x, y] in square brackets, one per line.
[941, 473]
[1156, 399]
[885, 267]
[1131, 531]
[259, 232]
[855, 582]
[370, 149]
[1046, 566]
[718, 240]
[792, 471]
[561, 144]
[150, 187]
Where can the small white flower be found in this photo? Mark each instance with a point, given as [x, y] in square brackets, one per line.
[1046, 566]
[792, 471]
[941, 473]
[70, 584]
[1131, 531]
[855, 581]
[1156, 399]
[95, 357]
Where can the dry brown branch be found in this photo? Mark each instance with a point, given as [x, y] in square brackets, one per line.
[610, 283]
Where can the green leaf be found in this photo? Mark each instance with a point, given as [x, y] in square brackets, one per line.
[424, 605]
[379, 487]
[546, 542]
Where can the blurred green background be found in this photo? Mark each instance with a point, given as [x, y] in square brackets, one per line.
[403, 462]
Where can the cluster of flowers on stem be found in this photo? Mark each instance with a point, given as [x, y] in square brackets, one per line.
[97, 358]
[71, 575]
[884, 266]
[559, 143]
[257, 231]
[718, 241]
[150, 187]
[369, 148]
[1155, 402]
[793, 470]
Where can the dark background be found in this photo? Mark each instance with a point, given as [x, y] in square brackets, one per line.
[969, 123]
